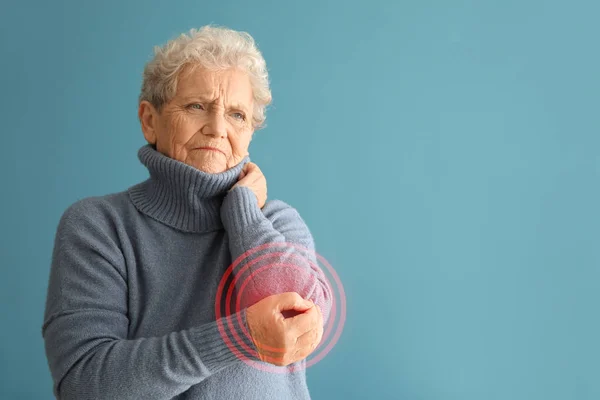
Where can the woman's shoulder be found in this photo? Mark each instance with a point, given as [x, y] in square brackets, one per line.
[97, 210]
[95, 224]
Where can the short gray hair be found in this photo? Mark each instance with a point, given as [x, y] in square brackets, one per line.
[211, 47]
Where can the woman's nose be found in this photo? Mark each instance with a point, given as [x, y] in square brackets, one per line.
[216, 125]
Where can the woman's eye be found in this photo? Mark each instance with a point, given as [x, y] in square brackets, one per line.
[239, 116]
[196, 106]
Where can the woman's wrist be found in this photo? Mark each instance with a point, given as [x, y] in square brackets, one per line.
[240, 209]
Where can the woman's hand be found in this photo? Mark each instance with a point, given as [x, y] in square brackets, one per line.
[252, 177]
[282, 341]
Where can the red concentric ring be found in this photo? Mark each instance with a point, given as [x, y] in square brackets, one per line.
[330, 321]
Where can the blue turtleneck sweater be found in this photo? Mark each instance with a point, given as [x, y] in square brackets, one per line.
[130, 310]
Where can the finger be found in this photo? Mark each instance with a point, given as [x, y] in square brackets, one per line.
[252, 174]
[320, 315]
[253, 169]
[320, 325]
[293, 301]
[307, 343]
[303, 323]
[309, 339]
[247, 167]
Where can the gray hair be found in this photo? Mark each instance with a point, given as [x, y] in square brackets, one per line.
[211, 47]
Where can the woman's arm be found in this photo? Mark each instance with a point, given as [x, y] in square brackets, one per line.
[248, 227]
[85, 325]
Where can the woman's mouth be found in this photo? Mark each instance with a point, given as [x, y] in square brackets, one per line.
[210, 149]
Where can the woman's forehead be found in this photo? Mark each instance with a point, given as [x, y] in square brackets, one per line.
[232, 85]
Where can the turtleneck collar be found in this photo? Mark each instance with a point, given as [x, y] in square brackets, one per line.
[180, 195]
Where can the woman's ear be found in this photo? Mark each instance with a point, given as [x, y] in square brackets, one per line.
[148, 117]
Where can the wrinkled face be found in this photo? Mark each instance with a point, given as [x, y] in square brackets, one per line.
[208, 124]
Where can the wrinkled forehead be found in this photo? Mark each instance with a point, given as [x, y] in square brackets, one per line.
[231, 86]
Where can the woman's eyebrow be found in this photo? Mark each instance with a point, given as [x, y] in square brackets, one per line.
[198, 97]
[235, 105]
[238, 106]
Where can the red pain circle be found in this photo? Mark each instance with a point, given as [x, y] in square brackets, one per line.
[331, 318]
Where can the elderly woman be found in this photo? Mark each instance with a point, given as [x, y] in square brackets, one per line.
[130, 311]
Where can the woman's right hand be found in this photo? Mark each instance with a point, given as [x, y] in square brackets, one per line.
[282, 341]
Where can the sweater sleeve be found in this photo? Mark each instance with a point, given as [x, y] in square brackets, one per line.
[248, 227]
[86, 322]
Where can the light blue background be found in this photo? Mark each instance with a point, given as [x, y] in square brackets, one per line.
[443, 153]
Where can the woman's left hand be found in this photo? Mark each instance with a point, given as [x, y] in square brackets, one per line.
[253, 178]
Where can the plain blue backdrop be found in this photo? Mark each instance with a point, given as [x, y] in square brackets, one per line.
[445, 155]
